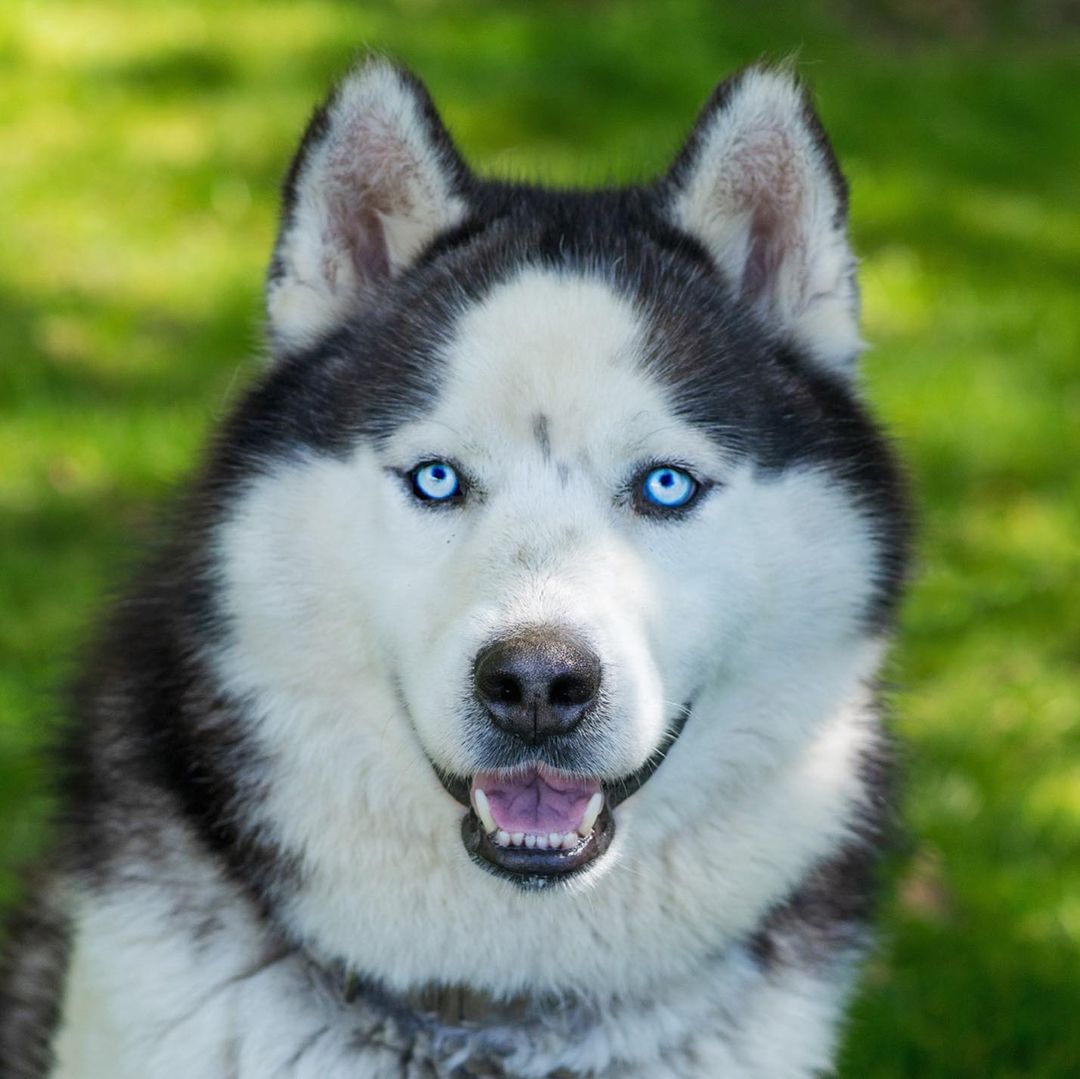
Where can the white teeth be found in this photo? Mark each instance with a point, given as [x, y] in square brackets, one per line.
[592, 811]
[483, 811]
[551, 841]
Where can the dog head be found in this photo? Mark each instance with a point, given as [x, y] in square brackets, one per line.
[552, 530]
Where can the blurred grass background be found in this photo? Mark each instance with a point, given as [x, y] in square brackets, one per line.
[141, 145]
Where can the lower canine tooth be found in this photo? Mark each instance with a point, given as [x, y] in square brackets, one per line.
[592, 811]
[483, 811]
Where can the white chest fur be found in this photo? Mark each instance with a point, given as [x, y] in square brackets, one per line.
[218, 1004]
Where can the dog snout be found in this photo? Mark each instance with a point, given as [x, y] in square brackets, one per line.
[538, 683]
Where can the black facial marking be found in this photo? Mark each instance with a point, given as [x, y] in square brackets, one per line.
[542, 434]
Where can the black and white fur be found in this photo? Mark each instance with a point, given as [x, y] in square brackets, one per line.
[261, 874]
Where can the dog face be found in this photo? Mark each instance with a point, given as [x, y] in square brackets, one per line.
[539, 490]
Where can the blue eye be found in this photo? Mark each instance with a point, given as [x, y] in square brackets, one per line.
[668, 488]
[435, 482]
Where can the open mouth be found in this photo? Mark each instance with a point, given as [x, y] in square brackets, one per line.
[536, 823]
[537, 826]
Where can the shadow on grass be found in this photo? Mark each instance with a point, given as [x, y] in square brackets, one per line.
[186, 72]
[76, 366]
[62, 547]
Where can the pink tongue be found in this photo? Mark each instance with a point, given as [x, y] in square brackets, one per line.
[530, 802]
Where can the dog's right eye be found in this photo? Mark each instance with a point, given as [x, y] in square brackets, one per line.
[665, 491]
[435, 481]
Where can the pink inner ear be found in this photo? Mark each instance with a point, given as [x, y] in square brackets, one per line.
[773, 185]
[370, 169]
[367, 245]
[764, 250]
[374, 180]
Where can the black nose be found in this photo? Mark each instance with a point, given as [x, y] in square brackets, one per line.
[538, 683]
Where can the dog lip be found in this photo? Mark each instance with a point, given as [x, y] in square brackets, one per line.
[619, 790]
[615, 791]
[533, 869]
[457, 787]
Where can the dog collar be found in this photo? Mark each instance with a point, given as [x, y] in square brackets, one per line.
[445, 1005]
[446, 1023]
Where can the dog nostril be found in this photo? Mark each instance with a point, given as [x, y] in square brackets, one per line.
[506, 690]
[570, 690]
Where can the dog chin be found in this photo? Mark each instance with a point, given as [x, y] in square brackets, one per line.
[539, 826]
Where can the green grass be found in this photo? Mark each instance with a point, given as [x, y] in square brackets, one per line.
[142, 145]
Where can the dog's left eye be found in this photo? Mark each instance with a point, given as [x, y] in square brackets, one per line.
[435, 481]
[667, 488]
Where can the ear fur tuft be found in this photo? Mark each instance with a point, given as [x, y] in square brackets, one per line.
[758, 184]
[375, 179]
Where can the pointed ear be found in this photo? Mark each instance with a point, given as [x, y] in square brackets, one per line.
[757, 183]
[375, 179]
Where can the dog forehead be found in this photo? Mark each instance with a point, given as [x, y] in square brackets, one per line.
[551, 354]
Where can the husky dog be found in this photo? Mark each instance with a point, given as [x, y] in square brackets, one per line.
[503, 704]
